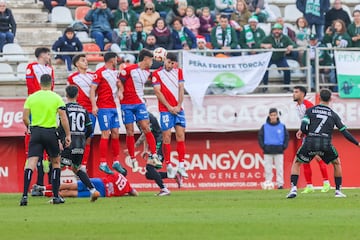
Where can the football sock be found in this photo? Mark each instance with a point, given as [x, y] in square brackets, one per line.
[152, 174]
[294, 179]
[307, 173]
[166, 152]
[151, 142]
[103, 148]
[40, 172]
[130, 143]
[84, 179]
[86, 154]
[338, 182]
[115, 146]
[27, 179]
[323, 169]
[180, 148]
[56, 181]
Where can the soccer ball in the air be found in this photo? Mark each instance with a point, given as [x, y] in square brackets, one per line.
[267, 185]
[160, 54]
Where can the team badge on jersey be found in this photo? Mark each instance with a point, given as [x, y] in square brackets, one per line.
[28, 71]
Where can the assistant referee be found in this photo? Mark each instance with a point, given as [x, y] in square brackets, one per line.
[44, 105]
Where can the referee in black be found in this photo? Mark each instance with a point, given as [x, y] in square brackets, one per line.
[44, 105]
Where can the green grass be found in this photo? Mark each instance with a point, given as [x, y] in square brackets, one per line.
[185, 215]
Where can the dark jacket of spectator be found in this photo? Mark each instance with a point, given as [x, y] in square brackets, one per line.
[189, 36]
[64, 44]
[163, 38]
[311, 18]
[334, 14]
[7, 22]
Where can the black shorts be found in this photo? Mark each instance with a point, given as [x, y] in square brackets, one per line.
[76, 150]
[317, 146]
[43, 139]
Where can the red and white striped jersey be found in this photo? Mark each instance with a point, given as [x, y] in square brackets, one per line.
[169, 85]
[34, 71]
[106, 81]
[301, 108]
[133, 79]
[83, 82]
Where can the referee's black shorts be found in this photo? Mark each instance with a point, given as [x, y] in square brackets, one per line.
[43, 139]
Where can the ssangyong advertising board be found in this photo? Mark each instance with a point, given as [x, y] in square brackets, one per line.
[222, 151]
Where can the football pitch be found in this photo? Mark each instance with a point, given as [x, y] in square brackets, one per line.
[185, 215]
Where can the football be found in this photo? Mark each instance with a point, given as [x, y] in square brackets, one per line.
[267, 185]
[160, 54]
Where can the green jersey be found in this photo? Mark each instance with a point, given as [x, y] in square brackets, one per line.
[43, 106]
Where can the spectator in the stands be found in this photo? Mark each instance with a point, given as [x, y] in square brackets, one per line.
[225, 7]
[276, 39]
[121, 41]
[151, 42]
[302, 32]
[201, 45]
[138, 6]
[124, 12]
[162, 34]
[178, 10]
[336, 12]
[49, 6]
[163, 6]
[314, 12]
[336, 36]
[191, 21]
[7, 25]
[251, 36]
[354, 29]
[67, 43]
[323, 57]
[206, 23]
[257, 8]
[200, 4]
[151, 45]
[223, 36]
[148, 16]
[100, 17]
[239, 18]
[138, 37]
[287, 31]
[183, 38]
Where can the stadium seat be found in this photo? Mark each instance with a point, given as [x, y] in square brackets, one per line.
[84, 37]
[61, 15]
[21, 71]
[357, 7]
[7, 73]
[72, 3]
[266, 27]
[296, 72]
[274, 73]
[276, 10]
[291, 13]
[13, 52]
[80, 13]
[93, 57]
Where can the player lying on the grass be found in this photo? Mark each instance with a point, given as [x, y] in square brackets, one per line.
[113, 185]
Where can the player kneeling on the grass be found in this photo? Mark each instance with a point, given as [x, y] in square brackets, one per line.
[81, 129]
[168, 83]
[318, 125]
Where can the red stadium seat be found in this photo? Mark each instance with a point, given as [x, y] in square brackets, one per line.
[93, 57]
[75, 3]
[80, 13]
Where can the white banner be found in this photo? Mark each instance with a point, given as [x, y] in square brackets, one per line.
[348, 77]
[230, 76]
